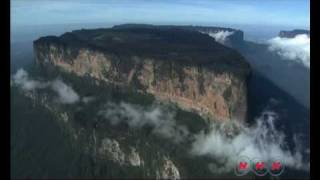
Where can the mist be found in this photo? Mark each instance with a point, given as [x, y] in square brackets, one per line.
[64, 93]
[224, 143]
[161, 120]
[261, 141]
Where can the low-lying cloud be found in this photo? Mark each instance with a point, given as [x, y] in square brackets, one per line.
[297, 48]
[262, 141]
[161, 121]
[21, 78]
[224, 143]
[220, 36]
[65, 93]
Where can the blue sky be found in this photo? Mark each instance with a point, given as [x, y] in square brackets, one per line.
[293, 13]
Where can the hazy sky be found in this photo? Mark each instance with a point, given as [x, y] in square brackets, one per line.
[207, 12]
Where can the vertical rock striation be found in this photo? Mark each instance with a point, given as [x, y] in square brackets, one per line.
[184, 67]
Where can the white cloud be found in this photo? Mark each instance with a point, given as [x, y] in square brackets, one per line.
[135, 116]
[297, 48]
[224, 143]
[65, 93]
[261, 141]
[220, 36]
[22, 78]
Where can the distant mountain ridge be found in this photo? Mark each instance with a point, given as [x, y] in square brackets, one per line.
[293, 33]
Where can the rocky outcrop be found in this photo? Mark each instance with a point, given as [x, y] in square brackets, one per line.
[168, 170]
[110, 150]
[293, 33]
[184, 67]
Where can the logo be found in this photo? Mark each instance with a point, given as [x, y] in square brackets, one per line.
[276, 167]
[259, 166]
[243, 166]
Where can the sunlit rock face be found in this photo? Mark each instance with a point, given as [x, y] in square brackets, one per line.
[180, 66]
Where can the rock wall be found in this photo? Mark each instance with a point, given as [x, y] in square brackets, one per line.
[220, 96]
[216, 90]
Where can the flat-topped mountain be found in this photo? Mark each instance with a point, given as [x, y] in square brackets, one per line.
[293, 33]
[235, 37]
[173, 64]
[173, 44]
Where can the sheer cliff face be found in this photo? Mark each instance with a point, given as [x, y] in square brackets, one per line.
[216, 90]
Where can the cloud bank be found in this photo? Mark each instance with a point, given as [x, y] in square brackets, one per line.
[224, 143]
[220, 36]
[296, 49]
[65, 93]
[262, 141]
